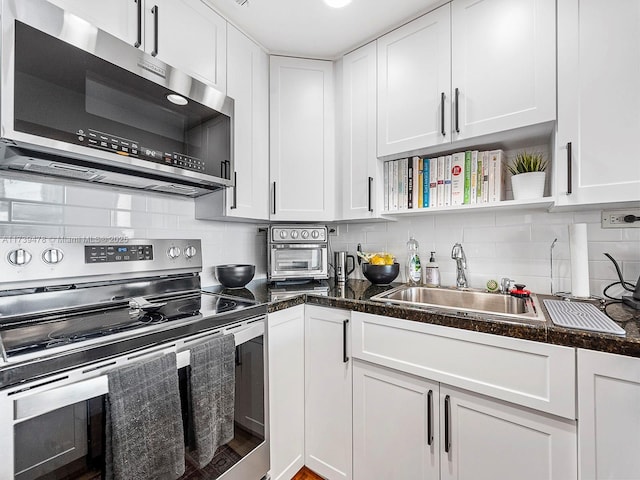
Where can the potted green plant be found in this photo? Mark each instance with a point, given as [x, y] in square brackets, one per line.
[528, 175]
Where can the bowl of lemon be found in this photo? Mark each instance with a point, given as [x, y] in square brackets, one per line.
[379, 268]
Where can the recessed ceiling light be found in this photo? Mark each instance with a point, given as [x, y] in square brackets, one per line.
[177, 99]
[337, 3]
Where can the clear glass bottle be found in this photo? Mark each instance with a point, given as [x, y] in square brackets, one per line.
[413, 267]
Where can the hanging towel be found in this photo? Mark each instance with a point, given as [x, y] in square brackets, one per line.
[144, 432]
[212, 395]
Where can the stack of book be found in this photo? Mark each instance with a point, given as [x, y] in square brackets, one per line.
[463, 178]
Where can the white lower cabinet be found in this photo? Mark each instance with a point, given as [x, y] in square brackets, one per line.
[395, 425]
[285, 341]
[609, 416]
[327, 392]
[418, 413]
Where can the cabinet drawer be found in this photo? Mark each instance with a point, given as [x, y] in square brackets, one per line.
[527, 373]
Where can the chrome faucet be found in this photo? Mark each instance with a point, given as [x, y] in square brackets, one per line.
[457, 253]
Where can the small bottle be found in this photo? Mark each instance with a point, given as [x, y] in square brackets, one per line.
[414, 269]
[432, 272]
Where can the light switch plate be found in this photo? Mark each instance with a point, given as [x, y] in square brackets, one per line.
[616, 218]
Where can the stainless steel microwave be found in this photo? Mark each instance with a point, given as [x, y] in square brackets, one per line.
[77, 103]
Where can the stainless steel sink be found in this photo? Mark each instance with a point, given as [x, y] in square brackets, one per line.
[464, 301]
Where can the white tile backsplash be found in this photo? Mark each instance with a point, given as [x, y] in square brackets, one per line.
[513, 244]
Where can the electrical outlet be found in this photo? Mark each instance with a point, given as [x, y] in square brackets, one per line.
[623, 218]
[334, 231]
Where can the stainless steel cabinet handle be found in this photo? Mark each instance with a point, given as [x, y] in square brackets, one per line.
[370, 207]
[154, 12]
[457, 111]
[345, 324]
[569, 173]
[235, 190]
[430, 418]
[447, 427]
[139, 39]
[442, 129]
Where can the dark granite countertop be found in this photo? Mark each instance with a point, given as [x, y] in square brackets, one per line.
[355, 295]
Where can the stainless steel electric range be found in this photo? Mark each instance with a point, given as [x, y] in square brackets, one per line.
[71, 309]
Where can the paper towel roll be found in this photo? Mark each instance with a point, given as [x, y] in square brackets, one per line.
[579, 260]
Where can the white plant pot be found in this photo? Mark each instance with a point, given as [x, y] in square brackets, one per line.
[528, 186]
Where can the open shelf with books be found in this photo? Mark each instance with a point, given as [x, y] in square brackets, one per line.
[460, 181]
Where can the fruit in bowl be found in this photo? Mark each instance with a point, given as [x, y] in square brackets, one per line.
[382, 258]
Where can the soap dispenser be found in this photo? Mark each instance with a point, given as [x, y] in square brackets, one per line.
[414, 269]
[432, 272]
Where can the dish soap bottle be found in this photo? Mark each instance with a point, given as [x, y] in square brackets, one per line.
[414, 269]
[432, 272]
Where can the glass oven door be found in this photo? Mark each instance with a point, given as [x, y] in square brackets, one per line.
[290, 261]
[55, 429]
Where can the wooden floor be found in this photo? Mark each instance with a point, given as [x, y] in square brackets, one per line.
[306, 474]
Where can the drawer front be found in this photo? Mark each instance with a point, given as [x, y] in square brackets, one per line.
[532, 374]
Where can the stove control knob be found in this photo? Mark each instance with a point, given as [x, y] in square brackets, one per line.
[294, 234]
[52, 256]
[304, 234]
[19, 257]
[173, 252]
[190, 251]
[283, 234]
[315, 234]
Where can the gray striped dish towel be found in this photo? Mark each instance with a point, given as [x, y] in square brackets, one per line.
[212, 395]
[144, 432]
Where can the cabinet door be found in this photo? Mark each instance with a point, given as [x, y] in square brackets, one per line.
[190, 36]
[485, 439]
[609, 416]
[285, 340]
[359, 162]
[118, 17]
[327, 393]
[503, 65]
[248, 85]
[598, 101]
[395, 425]
[302, 139]
[414, 81]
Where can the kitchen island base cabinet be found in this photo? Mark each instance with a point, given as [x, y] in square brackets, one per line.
[285, 340]
[609, 416]
[327, 392]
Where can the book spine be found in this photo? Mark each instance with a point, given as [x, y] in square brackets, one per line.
[467, 178]
[473, 193]
[440, 187]
[457, 178]
[433, 182]
[496, 176]
[394, 186]
[485, 177]
[447, 181]
[420, 186]
[425, 182]
[410, 183]
[385, 183]
[479, 179]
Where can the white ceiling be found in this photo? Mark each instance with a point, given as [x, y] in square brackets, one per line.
[310, 28]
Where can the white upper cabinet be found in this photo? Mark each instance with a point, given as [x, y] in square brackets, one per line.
[248, 85]
[185, 34]
[361, 180]
[503, 66]
[598, 102]
[302, 139]
[467, 69]
[414, 84]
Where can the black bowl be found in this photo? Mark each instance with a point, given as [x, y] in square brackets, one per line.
[235, 276]
[380, 274]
